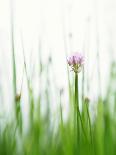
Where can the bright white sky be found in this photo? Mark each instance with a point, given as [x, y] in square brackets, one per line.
[51, 21]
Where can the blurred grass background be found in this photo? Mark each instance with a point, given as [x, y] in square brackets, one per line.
[37, 96]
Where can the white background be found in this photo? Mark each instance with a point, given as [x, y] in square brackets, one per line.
[90, 23]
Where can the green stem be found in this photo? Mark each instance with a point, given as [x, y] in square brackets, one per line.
[84, 132]
[89, 122]
[76, 115]
[61, 117]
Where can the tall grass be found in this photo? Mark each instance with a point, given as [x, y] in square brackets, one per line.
[81, 136]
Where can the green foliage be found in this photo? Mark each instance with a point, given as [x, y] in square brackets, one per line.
[46, 138]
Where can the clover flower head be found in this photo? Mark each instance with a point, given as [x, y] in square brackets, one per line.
[76, 62]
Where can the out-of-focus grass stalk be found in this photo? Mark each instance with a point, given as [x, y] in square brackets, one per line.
[66, 52]
[47, 92]
[61, 115]
[40, 81]
[78, 119]
[89, 120]
[98, 49]
[30, 91]
[13, 50]
[84, 50]
[98, 67]
[99, 129]
[115, 103]
[15, 95]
